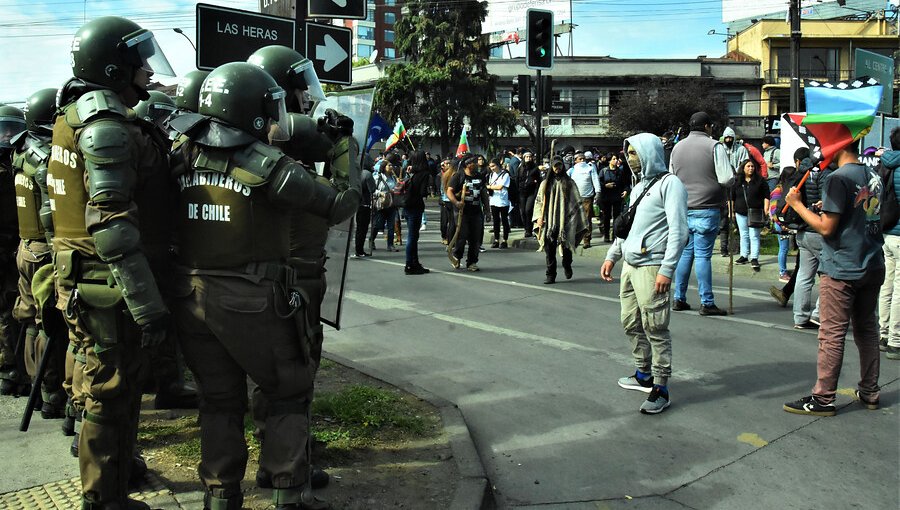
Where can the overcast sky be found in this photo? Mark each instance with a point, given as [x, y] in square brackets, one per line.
[35, 35]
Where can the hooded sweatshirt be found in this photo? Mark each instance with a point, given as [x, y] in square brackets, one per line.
[890, 162]
[659, 232]
[737, 153]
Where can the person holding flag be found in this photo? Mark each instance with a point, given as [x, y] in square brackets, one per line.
[852, 262]
[397, 136]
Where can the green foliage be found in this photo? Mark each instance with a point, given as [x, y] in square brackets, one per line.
[367, 408]
[662, 105]
[444, 80]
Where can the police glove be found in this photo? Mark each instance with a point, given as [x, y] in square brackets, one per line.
[154, 332]
[335, 125]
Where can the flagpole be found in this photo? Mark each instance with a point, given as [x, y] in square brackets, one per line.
[411, 144]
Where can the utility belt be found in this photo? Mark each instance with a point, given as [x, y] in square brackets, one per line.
[73, 268]
[96, 299]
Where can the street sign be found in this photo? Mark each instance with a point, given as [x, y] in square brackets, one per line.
[561, 107]
[231, 35]
[882, 69]
[344, 9]
[329, 49]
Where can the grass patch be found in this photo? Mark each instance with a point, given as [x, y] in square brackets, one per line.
[179, 438]
[352, 417]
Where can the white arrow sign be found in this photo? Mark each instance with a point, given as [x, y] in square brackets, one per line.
[340, 3]
[331, 53]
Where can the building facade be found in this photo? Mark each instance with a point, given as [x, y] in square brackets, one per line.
[827, 51]
[375, 35]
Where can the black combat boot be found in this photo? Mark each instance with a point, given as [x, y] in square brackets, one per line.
[54, 406]
[319, 478]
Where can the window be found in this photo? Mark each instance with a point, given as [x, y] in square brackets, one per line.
[364, 51]
[389, 36]
[370, 14]
[820, 63]
[390, 18]
[367, 33]
[496, 52]
[585, 102]
[390, 53]
[735, 103]
[504, 98]
[390, 2]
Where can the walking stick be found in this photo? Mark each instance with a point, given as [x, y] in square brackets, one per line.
[730, 259]
[452, 244]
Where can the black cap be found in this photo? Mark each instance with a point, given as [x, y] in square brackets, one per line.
[700, 120]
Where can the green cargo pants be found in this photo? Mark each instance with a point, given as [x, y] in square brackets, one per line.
[645, 318]
[232, 326]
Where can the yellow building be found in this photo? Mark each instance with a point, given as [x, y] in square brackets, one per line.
[826, 53]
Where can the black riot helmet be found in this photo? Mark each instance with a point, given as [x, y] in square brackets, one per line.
[40, 110]
[155, 109]
[292, 71]
[187, 93]
[12, 122]
[108, 50]
[246, 97]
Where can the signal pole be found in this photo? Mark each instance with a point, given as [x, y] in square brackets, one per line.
[794, 16]
[538, 114]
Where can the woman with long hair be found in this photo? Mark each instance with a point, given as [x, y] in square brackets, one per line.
[419, 176]
[559, 219]
[385, 182]
[750, 194]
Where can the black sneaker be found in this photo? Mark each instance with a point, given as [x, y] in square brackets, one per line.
[711, 310]
[806, 325]
[882, 344]
[892, 352]
[742, 260]
[810, 406]
[755, 265]
[568, 272]
[495, 244]
[680, 306]
[504, 245]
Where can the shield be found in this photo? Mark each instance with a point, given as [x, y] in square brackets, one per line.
[356, 104]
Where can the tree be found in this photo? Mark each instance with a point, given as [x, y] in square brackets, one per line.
[444, 82]
[660, 105]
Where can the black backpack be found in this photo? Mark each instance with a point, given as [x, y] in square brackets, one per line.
[622, 224]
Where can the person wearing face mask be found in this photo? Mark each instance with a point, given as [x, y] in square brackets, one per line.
[651, 250]
[736, 153]
[528, 179]
[559, 218]
[702, 165]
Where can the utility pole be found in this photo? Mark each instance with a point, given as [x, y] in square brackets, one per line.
[794, 16]
[538, 114]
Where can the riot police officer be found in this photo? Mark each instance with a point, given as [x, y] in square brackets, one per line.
[13, 380]
[30, 159]
[156, 108]
[310, 141]
[236, 299]
[107, 181]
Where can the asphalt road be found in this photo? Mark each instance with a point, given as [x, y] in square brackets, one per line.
[533, 369]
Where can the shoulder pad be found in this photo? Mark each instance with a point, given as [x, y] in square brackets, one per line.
[95, 103]
[220, 135]
[185, 123]
[212, 160]
[253, 165]
[37, 155]
[106, 141]
[18, 140]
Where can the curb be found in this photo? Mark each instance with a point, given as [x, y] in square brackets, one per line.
[473, 491]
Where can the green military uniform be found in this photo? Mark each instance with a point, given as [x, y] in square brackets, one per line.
[30, 160]
[13, 380]
[108, 187]
[237, 299]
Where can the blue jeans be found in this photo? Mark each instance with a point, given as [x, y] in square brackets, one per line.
[413, 223]
[784, 244]
[703, 226]
[749, 238]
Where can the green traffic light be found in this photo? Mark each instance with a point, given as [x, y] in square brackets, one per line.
[543, 52]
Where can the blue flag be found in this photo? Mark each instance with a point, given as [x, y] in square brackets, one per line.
[379, 129]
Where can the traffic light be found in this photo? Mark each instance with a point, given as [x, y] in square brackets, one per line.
[521, 99]
[539, 34]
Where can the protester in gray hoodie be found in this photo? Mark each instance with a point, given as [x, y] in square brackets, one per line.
[651, 251]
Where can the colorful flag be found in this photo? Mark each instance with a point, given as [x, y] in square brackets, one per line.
[463, 144]
[837, 114]
[397, 136]
[378, 131]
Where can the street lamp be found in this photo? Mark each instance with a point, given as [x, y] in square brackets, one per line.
[728, 36]
[180, 31]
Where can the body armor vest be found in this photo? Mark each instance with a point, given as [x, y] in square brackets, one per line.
[31, 158]
[225, 219]
[9, 235]
[66, 178]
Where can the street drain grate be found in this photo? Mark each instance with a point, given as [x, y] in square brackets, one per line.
[66, 495]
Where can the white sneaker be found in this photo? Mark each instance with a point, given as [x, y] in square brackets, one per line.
[422, 228]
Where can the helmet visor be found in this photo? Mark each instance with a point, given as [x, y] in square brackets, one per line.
[279, 123]
[159, 111]
[10, 127]
[152, 58]
[306, 79]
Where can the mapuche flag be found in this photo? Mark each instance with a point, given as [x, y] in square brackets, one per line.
[397, 136]
[837, 114]
[463, 144]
